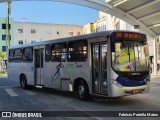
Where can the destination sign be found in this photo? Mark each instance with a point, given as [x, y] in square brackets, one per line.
[126, 35]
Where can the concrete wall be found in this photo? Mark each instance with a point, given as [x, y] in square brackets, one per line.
[44, 31]
[89, 28]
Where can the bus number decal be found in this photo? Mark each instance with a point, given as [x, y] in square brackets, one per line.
[79, 66]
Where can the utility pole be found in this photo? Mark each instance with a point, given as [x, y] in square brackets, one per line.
[24, 28]
[8, 22]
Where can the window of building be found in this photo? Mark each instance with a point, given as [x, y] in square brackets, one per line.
[28, 54]
[33, 31]
[70, 33]
[78, 33]
[4, 48]
[48, 53]
[20, 30]
[57, 32]
[3, 37]
[59, 52]
[4, 26]
[20, 42]
[18, 54]
[77, 51]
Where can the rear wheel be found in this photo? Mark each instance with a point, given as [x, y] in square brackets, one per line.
[23, 82]
[83, 91]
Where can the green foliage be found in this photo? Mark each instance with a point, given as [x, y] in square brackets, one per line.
[3, 55]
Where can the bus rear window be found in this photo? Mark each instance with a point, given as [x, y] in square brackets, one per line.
[11, 55]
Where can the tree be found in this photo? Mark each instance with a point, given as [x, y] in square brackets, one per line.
[3, 55]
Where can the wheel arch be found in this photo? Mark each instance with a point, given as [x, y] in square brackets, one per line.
[22, 74]
[77, 82]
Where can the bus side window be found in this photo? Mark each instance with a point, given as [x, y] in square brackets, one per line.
[59, 52]
[77, 51]
[48, 53]
[17, 55]
[11, 55]
[28, 54]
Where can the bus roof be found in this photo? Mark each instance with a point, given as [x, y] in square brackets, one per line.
[67, 39]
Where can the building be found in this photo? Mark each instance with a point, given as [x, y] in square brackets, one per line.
[89, 28]
[4, 33]
[109, 22]
[27, 32]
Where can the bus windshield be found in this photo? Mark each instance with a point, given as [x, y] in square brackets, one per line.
[130, 56]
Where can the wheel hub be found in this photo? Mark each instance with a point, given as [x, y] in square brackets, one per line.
[81, 90]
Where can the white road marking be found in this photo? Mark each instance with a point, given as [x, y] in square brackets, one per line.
[11, 92]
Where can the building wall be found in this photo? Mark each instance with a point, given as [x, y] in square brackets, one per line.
[43, 31]
[89, 28]
[100, 24]
[5, 32]
[109, 22]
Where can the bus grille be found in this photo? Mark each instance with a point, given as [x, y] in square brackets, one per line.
[134, 78]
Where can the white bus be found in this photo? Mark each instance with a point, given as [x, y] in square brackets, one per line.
[109, 63]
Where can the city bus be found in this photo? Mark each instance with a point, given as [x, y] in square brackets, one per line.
[109, 63]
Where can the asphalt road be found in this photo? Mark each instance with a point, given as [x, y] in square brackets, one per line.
[13, 98]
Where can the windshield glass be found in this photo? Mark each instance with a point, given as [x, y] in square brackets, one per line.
[130, 57]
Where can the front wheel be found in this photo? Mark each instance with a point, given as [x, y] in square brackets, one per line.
[83, 91]
[23, 82]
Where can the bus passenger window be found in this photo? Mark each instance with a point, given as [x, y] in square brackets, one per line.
[47, 53]
[17, 54]
[28, 54]
[77, 51]
[59, 52]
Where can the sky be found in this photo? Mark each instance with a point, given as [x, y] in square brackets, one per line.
[49, 12]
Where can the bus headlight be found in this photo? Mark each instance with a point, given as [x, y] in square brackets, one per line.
[116, 83]
[104, 83]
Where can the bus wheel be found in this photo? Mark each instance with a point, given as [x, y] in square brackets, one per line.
[83, 91]
[23, 81]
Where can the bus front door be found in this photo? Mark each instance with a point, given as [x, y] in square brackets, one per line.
[99, 68]
[38, 66]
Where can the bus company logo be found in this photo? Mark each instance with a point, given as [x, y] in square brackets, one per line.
[57, 73]
[6, 114]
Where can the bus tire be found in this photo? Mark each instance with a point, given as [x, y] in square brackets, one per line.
[83, 91]
[23, 82]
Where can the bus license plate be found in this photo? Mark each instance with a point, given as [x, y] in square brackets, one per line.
[135, 91]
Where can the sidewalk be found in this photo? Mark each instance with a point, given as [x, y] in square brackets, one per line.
[155, 76]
